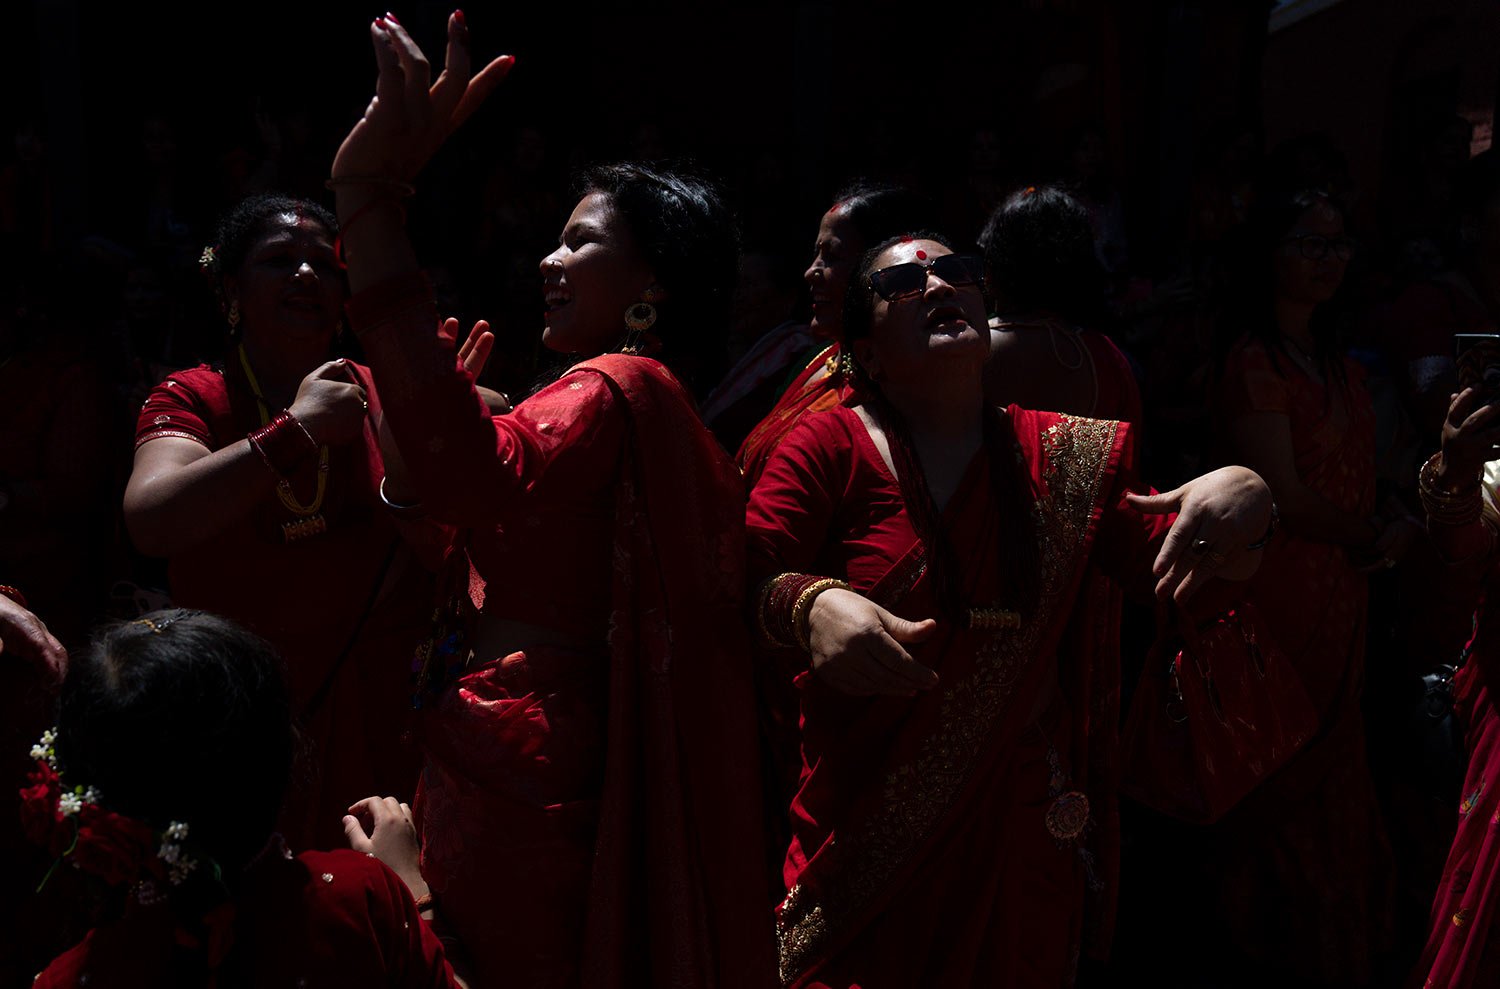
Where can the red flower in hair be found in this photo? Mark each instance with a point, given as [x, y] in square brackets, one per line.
[115, 848]
[40, 818]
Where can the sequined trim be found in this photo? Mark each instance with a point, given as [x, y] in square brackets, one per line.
[919, 793]
[157, 434]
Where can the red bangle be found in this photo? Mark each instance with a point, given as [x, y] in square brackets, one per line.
[778, 602]
[283, 443]
[14, 595]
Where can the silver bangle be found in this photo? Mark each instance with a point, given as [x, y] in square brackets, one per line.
[415, 508]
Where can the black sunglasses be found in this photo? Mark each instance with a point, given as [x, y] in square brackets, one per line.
[907, 281]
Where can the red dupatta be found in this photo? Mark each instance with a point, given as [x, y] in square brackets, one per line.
[801, 397]
[901, 830]
[678, 892]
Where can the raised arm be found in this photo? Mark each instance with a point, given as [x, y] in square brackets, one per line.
[1450, 484]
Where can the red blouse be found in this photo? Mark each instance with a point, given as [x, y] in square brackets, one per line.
[320, 919]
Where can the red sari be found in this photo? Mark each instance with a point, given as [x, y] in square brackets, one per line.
[922, 852]
[589, 814]
[320, 919]
[802, 396]
[1302, 867]
[345, 608]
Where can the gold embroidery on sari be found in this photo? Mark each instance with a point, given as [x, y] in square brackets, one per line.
[918, 793]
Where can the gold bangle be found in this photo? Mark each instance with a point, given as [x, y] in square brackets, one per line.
[803, 608]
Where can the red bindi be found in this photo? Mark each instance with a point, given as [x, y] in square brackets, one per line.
[921, 255]
[906, 238]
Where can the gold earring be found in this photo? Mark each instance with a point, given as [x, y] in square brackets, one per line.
[233, 316]
[639, 318]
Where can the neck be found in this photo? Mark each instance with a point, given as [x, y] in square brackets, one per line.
[941, 414]
[1294, 320]
[279, 370]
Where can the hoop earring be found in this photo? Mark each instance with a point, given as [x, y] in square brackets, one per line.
[639, 318]
[233, 315]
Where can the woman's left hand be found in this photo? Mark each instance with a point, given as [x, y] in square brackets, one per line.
[383, 827]
[1218, 516]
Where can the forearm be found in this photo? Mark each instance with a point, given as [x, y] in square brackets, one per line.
[174, 509]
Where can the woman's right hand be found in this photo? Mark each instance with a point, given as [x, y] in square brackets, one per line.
[330, 405]
[857, 646]
[408, 120]
[1471, 435]
[383, 827]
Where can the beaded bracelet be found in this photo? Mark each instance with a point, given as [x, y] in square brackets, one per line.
[1265, 540]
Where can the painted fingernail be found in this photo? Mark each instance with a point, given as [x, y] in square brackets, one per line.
[392, 18]
[458, 15]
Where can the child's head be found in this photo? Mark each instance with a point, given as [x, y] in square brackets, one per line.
[181, 716]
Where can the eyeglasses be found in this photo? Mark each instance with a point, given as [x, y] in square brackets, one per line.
[907, 281]
[1316, 247]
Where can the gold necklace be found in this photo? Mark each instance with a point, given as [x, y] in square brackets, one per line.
[309, 522]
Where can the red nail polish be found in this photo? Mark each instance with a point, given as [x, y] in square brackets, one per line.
[458, 15]
[392, 18]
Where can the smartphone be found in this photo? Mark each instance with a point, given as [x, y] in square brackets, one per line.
[1479, 364]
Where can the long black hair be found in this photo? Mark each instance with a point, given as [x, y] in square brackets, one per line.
[687, 236]
[880, 210]
[1010, 485]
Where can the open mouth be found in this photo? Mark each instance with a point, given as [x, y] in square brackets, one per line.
[944, 315]
[556, 297]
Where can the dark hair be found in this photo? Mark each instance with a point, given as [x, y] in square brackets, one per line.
[182, 716]
[1010, 485]
[880, 210]
[1039, 255]
[1251, 311]
[251, 218]
[687, 236]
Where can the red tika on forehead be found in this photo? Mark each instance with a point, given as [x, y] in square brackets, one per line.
[906, 238]
[921, 255]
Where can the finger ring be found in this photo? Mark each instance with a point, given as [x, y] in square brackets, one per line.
[1200, 546]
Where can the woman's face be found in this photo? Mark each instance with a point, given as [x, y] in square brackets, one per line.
[595, 274]
[290, 285]
[1301, 275]
[835, 255]
[923, 337]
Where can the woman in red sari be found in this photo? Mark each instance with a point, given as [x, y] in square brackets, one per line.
[861, 216]
[259, 481]
[1302, 869]
[1460, 489]
[924, 550]
[589, 806]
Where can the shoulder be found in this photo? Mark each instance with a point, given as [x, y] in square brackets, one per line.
[1250, 355]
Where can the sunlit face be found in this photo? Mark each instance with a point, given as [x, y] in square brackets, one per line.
[1308, 280]
[928, 336]
[290, 285]
[595, 274]
[834, 256]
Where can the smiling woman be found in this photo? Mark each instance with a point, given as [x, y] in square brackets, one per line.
[589, 804]
[259, 479]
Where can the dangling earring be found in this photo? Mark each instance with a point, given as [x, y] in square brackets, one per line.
[233, 316]
[639, 318]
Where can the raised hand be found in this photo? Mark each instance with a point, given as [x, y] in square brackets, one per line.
[1218, 516]
[410, 116]
[383, 827]
[330, 405]
[1471, 437]
[857, 646]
